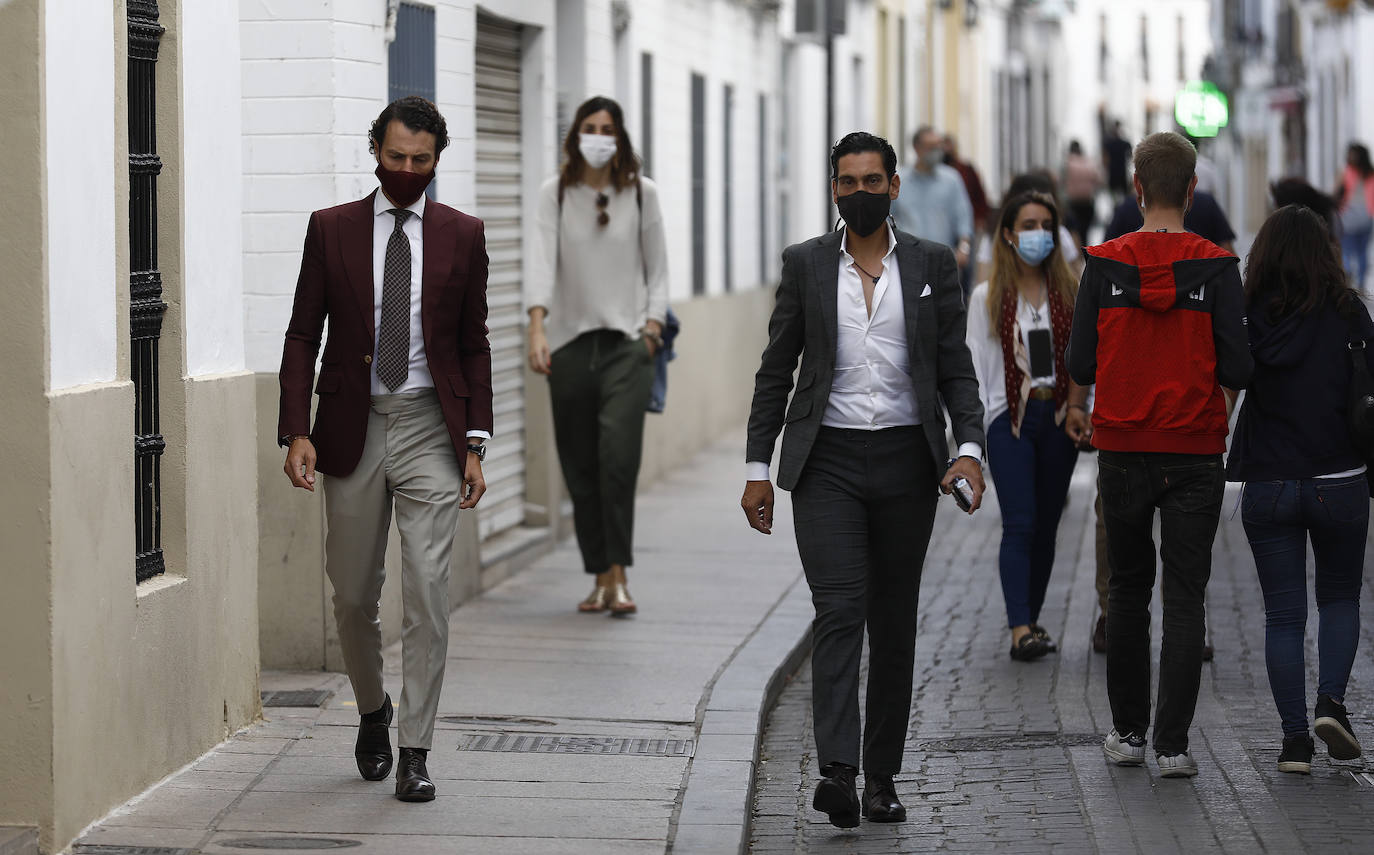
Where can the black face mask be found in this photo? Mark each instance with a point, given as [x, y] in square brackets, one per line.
[864, 212]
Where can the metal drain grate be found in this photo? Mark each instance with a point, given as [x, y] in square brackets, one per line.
[296, 698]
[540, 743]
[496, 719]
[1013, 742]
[109, 849]
[314, 843]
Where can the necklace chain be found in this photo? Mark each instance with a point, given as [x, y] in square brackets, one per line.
[866, 273]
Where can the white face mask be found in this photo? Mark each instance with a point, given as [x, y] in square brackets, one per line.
[597, 149]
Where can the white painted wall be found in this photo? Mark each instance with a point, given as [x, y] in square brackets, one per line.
[79, 120]
[212, 230]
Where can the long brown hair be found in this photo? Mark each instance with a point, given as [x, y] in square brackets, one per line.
[1295, 266]
[625, 163]
[1004, 258]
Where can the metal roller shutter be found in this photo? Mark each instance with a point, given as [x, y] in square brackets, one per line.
[498, 204]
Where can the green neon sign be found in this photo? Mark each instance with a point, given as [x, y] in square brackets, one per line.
[1200, 107]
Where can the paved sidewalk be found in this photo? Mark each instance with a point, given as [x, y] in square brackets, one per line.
[1006, 756]
[559, 733]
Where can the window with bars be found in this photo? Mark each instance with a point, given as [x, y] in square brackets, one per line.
[146, 308]
[698, 184]
[726, 182]
[646, 111]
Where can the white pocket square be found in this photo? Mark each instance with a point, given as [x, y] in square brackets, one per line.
[926, 292]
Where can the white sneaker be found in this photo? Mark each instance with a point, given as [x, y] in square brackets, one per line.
[1128, 750]
[1177, 765]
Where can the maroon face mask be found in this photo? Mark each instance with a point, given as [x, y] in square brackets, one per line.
[403, 188]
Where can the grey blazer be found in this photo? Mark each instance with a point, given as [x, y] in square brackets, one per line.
[805, 323]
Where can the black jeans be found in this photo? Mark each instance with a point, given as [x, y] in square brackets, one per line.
[863, 512]
[1187, 490]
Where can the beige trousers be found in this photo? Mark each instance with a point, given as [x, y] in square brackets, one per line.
[409, 460]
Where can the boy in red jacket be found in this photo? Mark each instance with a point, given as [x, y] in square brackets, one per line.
[1159, 326]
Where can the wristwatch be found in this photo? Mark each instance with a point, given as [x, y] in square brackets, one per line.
[478, 449]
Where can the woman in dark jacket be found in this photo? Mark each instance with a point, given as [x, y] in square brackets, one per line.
[1303, 476]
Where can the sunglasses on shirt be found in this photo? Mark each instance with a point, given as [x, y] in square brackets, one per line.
[602, 200]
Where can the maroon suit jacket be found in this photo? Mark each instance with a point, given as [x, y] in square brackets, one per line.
[336, 283]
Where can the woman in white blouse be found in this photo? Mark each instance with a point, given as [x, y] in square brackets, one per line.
[597, 296]
[1018, 329]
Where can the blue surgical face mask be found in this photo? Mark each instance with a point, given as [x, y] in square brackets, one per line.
[1034, 246]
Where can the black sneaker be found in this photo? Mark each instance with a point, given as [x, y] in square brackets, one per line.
[1333, 727]
[1296, 755]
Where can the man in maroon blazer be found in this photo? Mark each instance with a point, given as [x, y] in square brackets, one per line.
[405, 403]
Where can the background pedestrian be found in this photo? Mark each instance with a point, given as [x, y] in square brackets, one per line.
[597, 298]
[935, 205]
[1082, 180]
[1356, 195]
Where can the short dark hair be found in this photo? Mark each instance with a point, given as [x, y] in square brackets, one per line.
[416, 113]
[920, 132]
[1294, 265]
[1296, 191]
[1165, 163]
[858, 143]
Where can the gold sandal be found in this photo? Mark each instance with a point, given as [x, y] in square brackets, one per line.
[597, 600]
[620, 603]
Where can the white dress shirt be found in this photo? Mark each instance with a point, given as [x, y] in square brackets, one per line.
[383, 223]
[871, 387]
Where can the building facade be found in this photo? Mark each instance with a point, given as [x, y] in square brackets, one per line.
[130, 623]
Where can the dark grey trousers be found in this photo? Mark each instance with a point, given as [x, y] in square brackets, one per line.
[600, 388]
[863, 511]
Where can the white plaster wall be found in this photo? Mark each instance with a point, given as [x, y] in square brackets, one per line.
[313, 77]
[80, 141]
[213, 199]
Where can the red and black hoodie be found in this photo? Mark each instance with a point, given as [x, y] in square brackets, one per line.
[1159, 326]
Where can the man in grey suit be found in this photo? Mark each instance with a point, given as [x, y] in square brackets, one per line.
[877, 317]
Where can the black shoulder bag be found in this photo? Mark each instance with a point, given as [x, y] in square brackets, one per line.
[1360, 404]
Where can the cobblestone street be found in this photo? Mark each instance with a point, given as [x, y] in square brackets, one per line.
[1006, 756]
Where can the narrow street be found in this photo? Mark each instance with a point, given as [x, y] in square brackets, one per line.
[1006, 756]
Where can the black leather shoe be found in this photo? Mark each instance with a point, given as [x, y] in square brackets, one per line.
[836, 796]
[412, 778]
[880, 802]
[373, 748]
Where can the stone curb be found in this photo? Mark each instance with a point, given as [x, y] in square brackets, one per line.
[718, 795]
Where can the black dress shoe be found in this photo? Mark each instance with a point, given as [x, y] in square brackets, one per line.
[880, 803]
[836, 796]
[373, 748]
[412, 778]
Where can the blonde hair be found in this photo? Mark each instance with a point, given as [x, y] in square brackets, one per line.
[1005, 268]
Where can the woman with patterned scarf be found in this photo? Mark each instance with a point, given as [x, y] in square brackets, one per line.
[1018, 329]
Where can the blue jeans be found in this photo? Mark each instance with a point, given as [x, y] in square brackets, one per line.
[1032, 476]
[1279, 516]
[1355, 253]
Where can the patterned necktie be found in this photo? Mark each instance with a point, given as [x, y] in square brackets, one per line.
[393, 337]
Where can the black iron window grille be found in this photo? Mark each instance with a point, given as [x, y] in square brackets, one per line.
[146, 307]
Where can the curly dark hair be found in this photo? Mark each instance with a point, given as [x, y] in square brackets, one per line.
[416, 113]
[1295, 266]
[858, 143]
